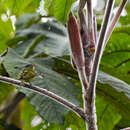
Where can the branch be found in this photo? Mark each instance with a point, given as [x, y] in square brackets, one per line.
[82, 4]
[99, 51]
[91, 110]
[46, 93]
[84, 38]
[114, 21]
[95, 29]
[90, 23]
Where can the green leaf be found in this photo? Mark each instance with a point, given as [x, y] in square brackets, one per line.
[107, 115]
[6, 33]
[117, 52]
[117, 84]
[19, 7]
[117, 93]
[111, 93]
[58, 10]
[48, 79]
[71, 121]
[14, 8]
[55, 42]
[105, 112]
[28, 123]
[5, 92]
[25, 20]
[116, 73]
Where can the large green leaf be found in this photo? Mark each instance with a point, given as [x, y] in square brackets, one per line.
[105, 112]
[13, 8]
[59, 8]
[53, 41]
[117, 93]
[117, 52]
[112, 95]
[111, 91]
[117, 84]
[48, 79]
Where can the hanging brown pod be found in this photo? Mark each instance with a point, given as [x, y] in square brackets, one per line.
[75, 42]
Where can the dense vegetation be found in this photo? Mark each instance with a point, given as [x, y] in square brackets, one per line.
[45, 43]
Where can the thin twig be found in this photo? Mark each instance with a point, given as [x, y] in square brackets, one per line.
[114, 21]
[46, 93]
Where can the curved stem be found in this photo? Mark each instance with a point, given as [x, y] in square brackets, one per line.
[46, 93]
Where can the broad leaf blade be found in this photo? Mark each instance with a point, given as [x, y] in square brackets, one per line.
[55, 42]
[48, 79]
[117, 52]
[117, 93]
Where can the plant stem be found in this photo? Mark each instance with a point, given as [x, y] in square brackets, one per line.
[99, 49]
[114, 21]
[91, 112]
[85, 42]
[82, 4]
[95, 29]
[90, 23]
[46, 93]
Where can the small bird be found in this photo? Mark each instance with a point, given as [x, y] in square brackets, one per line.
[27, 73]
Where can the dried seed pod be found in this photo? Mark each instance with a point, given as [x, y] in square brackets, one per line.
[75, 42]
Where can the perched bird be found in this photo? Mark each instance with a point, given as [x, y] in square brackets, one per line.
[27, 73]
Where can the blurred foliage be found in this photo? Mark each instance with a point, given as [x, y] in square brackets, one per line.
[46, 45]
[58, 10]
